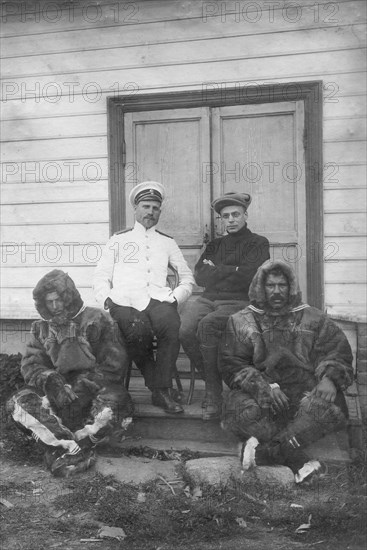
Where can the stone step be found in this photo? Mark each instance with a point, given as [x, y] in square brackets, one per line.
[203, 448]
[331, 449]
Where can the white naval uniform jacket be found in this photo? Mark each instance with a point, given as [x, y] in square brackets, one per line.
[133, 269]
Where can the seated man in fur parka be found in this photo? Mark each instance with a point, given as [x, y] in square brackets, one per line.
[74, 366]
[287, 365]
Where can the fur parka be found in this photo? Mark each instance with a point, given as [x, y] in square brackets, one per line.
[84, 344]
[297, 345]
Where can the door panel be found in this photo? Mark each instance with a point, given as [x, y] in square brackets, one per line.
[255, 148]
[259, 149]
[171, 146]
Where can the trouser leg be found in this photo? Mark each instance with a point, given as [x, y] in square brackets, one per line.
[191, 314]
[137, 333]
[282, 438]
[314, 419]
[66, 453]
[244, 417]
[33, 414]
[165, 322]
[98, 410]
[210, 330]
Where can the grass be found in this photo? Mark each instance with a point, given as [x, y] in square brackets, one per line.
[336, 502]
[164, 517]
[223, 517]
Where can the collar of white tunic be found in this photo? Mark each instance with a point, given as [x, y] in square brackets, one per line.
[140, 229]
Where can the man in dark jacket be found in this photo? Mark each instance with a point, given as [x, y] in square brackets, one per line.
[225, 270]
[74, 367]
[287, 365]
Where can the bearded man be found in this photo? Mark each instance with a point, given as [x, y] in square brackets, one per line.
[131, 281]
[287, 364]
[74, 366]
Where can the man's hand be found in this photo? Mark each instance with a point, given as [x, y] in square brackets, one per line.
[64, 397]
[325, 389]
[250, 381]
[69, 396]
[58, 393]
[280, 401]
[246, 377]
[208, 262]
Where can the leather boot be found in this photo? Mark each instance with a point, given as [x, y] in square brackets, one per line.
[64, 464]
[175, 394]
[211, 406]
[212, 403]
[162, 397]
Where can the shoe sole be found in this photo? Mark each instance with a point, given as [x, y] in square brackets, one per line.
[168, 410]
[207, 417]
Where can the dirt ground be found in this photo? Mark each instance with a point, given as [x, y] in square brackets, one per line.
[39, 511]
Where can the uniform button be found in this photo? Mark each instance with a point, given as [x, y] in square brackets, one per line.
[148, 270]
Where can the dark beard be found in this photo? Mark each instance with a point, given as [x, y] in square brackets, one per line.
[275, 312]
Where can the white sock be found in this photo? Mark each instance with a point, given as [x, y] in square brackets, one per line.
[306, 470]
[100, 421]
[248, 451]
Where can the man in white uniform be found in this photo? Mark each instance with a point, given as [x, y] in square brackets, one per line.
[131, 281]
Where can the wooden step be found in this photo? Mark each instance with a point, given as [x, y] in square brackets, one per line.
[156, 429]
[183, 368]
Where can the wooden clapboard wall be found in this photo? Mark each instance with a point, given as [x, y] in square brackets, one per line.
[61, 63]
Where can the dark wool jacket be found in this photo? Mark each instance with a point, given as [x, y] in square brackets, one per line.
[296, 345]
[84, 343]
[236, 258]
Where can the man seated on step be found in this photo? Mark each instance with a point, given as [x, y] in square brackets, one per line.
[287, 364]
[74, 366]
[131, 281]
[225, 270]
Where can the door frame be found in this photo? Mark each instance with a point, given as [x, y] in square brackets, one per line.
[311, 93]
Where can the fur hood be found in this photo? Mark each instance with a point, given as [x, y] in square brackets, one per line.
[257, 287]
[60, 282]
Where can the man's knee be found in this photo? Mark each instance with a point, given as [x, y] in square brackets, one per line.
[138, 333]
[192, 313]
[169, 328]
[317, 411]
[188, 327]
[207, 331]
[25, 400]
[240, 408]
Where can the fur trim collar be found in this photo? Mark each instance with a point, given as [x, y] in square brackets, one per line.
[257, 287]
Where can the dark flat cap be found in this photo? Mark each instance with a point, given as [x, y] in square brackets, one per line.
[233, 197]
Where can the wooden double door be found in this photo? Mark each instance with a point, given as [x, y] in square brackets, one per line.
[201, 152]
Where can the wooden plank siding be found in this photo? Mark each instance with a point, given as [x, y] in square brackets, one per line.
[59, 66]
